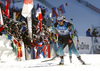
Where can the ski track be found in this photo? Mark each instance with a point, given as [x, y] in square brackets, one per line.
[92, 63]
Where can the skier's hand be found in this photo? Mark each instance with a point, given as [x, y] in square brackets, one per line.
[77, 41]
[72, 36]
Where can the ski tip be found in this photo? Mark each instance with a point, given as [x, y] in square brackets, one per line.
[61, 64]
[83, 64]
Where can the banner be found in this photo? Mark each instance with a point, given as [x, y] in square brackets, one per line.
[96, 45]
[85, 44]
[26, 12]
[29, 25]
[27, 7]
[1, 16]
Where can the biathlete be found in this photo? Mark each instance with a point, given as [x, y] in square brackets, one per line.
[63, 30]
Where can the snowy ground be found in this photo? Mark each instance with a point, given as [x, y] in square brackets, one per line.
[92, 61]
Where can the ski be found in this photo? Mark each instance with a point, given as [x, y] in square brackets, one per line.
[50, 59]
[47, 60]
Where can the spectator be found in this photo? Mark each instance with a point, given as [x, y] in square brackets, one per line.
[99, 35]
[94, 33]
[88, 33]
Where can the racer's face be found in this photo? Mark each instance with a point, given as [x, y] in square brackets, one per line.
[60, 22]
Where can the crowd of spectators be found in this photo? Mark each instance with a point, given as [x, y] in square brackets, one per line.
[19, 28]
[94, 33]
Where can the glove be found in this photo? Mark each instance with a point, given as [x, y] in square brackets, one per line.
[72, 36]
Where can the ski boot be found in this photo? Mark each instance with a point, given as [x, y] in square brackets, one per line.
[70, 58]
[62, 61]
[79, 58]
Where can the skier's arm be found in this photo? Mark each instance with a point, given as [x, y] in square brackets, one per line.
[77, 37]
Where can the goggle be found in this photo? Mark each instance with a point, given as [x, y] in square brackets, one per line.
[59, 20]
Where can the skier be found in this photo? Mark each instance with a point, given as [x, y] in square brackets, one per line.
[64, 30]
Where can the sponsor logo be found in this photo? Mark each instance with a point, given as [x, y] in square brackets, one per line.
[70, 41]
[83, 46]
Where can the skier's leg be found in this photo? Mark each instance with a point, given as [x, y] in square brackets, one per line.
[79, 58]
[55, 51]
[70, 55]
[60, 53]
[62, 60]
[76, 53]
[60, 49]
[72, 47]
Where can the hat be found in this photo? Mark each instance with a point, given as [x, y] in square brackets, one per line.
[60, 17]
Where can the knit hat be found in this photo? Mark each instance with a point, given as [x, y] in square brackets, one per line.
[60, 17]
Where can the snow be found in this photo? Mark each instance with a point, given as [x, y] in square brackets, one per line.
[92, 61]
[83, 18]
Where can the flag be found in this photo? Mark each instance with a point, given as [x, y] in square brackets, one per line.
[1, 28]
[54, 13]
[3, 12]
[27, 7]
[40, 18]
[58, 11]
[62, 9]
[39, 13]
[17, 15]
[38, 6]
[1, 16]
[7, 9]
[15, 41]
[39, 27]
[19, 50]
[14, 44]
[14, 47]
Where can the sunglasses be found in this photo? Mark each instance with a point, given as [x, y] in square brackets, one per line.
[59, 20]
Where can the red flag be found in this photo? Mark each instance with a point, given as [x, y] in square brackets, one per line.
[1, 28]
[54, 13]
[15, 41]
[27, 7]
[19, 50]
[3, 12]
[7, 9]
[39, 14]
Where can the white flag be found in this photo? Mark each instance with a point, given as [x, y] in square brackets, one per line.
[27, 7]
[1, 18]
